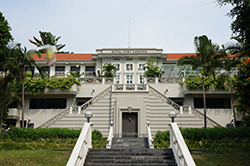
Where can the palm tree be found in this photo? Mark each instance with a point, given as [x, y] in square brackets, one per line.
[109, 70]
[77, 74]
[207, 58]
[49, 46]
[47, 39]
[22, 59]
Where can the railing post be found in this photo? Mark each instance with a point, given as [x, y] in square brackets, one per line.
[156, 80]
[181, 109]
[189, 110]
[171, 135]
[103, 80]
[79, 110]
[135, 87]
[113, 87]
[146, 87]
[124, 87]
[70, 110]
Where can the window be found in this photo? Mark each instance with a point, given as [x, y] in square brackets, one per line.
[141, 67]
[74, 68]
[142, 78]
[129, 79]
[117, 79]
[90, 68]
[60, 68]
[117, 66]
[129, 67]
[212, 103]
[46, 68]
[29, 69]
[48, 103]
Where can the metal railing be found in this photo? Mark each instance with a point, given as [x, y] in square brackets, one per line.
[189, 109]
[57, 117]
[84, 142]
[179, 147]
[110, 136]
[150, 139]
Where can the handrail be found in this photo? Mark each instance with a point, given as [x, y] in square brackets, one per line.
[82, 107]
[179, 147]
[96, 98]
[150, 139]
[84, 142]
[58, 116]
[177, 107]
[111, 135]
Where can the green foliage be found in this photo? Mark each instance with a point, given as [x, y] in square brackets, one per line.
[109, 69]
[242, 87]
[47, 38]
[209, 138]
[62, 83]
[152, 69]
[98, 141]
[219, 83]
[38, 85]
[45, 138]
[5, 36]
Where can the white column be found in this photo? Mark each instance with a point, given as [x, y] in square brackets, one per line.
[156, 80]
[135, 87]
[52, 71]
[103, 80]
[67, 69]
[82, 69]
[70, 110]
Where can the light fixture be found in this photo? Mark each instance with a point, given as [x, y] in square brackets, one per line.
[88, 115]
[77, 66]
[93, 89]
[111, 123]
[172, 115]
[166, 89]
[147, 123]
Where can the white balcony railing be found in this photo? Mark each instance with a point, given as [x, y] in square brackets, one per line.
[83, 144]
[179, 147]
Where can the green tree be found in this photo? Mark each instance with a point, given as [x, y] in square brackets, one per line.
[207, 58]
[242, 87]
[241, 25]
[5, 38]
[109, 69]
[152, 69]
[22, 59]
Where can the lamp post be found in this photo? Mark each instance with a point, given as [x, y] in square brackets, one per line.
[172, 115]
[88, 115]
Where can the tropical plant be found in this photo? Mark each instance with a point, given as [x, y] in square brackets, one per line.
[77, 74]
[47, 38]
[207, 58]
[152, 69]
[241, 24]
[109, 69]
[242, 87]
[22, 59]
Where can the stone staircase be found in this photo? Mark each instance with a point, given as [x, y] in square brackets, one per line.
[130, 151]
[159, 118]
[102, 112]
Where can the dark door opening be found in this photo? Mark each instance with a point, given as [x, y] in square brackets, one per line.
[130, 124]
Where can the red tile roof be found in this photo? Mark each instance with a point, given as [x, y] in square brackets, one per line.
[69, 57]
[176, 56]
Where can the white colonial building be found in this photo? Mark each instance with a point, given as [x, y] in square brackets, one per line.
[129, 100]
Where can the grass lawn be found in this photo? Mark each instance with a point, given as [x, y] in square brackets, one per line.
[221, 158]
[33, 157]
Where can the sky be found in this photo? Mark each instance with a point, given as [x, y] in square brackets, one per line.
[87, 25]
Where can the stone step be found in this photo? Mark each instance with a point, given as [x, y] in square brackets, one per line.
[130, 157]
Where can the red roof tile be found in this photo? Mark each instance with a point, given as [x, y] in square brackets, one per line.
[176, 56]
[69, 57]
